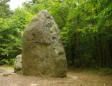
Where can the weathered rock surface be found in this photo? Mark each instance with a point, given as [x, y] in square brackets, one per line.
[43, 53]
[18, 64]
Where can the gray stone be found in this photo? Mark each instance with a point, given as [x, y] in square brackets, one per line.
[43, 53]
[18, 64]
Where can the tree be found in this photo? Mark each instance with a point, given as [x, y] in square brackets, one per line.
[4, 9]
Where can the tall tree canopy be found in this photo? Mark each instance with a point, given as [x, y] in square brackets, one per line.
[4, 8]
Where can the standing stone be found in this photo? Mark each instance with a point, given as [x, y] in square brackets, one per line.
[18, 64]
[43, 53]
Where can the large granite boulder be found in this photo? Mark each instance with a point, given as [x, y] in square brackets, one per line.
[43, 53]
[18, 64]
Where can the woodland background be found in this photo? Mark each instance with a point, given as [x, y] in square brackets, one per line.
[85, 25]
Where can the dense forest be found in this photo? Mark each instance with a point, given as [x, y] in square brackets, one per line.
[85, 25]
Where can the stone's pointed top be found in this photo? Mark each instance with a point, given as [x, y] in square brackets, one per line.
[45, 13]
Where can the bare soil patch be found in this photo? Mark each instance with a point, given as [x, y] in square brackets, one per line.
[74, 78]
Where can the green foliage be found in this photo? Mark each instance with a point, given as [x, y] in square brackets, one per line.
[56, 8]
[7, 61]
[11, 31]
[106, 71]
[86, 29]
[4, 9]
[87, 35]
